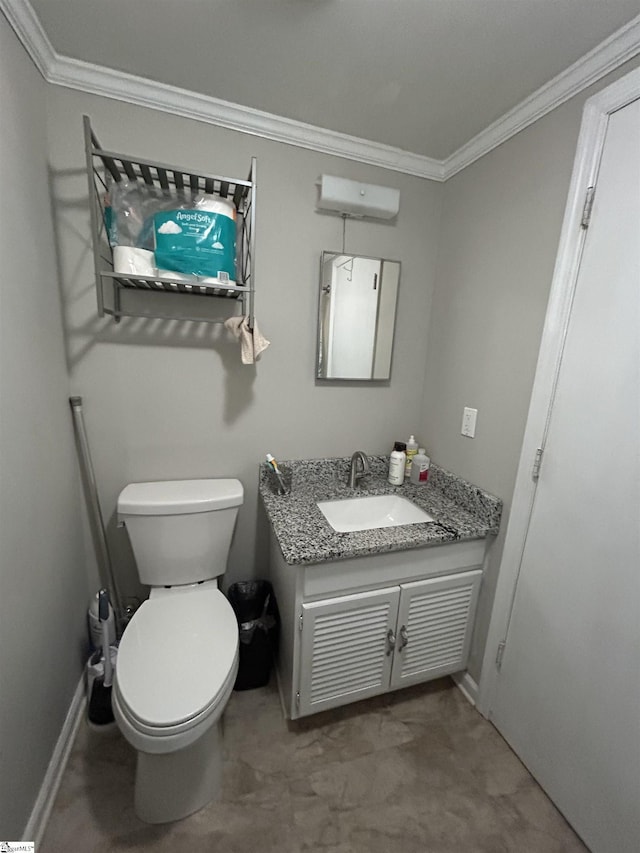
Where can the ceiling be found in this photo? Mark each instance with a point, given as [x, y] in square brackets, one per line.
[424, 76]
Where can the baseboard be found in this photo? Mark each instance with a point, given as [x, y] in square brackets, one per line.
[467, 685]
[39, 817]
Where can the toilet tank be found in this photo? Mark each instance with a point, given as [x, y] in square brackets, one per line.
[180, 530]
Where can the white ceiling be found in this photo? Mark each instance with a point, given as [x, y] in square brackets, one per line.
[424, 76]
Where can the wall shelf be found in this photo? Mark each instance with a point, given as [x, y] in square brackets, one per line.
[106, 167]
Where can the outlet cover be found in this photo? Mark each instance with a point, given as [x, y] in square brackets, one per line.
[469, 422]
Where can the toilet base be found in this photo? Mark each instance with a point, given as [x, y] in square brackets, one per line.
[173, 785]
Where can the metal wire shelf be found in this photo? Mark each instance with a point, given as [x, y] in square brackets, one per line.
[107, 166]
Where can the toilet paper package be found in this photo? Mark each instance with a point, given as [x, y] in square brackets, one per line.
[156, 232]
[198, 240]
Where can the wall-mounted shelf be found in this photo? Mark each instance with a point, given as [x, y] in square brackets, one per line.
[105, 167]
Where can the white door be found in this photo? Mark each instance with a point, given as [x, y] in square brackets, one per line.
[435, 621]
[568, 692]
[346, 648]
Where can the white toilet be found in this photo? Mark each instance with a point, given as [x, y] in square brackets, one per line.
[178, 658]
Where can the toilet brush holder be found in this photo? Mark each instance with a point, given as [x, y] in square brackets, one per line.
[95, 673]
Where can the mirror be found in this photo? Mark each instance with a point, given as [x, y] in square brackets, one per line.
[356, 316]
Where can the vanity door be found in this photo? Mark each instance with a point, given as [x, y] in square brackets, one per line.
[435, 621]
[347, 647]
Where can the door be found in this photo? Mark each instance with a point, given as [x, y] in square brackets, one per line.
[347, 648]
[568, 691]
[435, 621]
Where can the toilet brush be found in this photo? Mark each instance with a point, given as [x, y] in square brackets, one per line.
[100, 710]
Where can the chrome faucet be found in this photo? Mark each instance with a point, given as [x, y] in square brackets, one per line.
[354, 474]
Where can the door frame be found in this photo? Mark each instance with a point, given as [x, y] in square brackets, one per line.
[593, 130]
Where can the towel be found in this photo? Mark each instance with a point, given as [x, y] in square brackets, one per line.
[252, 342]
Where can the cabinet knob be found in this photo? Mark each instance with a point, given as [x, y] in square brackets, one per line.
[391, 641]
[404, 638]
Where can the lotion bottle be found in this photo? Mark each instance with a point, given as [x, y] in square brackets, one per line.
[397, 463]
[420, 468]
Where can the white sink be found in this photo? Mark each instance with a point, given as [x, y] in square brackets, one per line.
[368, 513]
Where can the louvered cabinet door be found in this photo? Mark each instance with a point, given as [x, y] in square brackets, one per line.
[346, 648]
[435, 621]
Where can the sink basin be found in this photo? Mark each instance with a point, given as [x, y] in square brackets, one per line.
[370, 512]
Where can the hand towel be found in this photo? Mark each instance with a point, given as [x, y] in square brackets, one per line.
[252, 342]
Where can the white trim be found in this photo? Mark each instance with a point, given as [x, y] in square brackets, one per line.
[41, 811]
[621, 46]
[59, 70]
[467, 685]
[585, 171]
[98, 80]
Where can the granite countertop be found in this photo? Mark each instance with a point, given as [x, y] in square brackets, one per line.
[460, 510]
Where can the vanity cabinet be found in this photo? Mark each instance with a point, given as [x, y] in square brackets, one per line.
[360, 627]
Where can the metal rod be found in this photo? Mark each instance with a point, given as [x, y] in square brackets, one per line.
[253, 177]
[95, 513]
[95, 227]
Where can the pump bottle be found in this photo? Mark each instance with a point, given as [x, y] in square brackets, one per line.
[412, 449]
[397, 463]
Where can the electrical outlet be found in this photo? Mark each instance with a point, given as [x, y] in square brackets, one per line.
[469, 422]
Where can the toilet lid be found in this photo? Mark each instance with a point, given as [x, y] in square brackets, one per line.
[176, 656]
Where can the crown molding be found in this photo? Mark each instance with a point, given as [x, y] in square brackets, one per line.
[98, 80]
[59, 70]
[610, 54]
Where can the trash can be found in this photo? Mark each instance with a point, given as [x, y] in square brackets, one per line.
[256, 610]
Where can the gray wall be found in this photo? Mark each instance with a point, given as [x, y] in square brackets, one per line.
[500, 230]
[166, 399]
[43, 586]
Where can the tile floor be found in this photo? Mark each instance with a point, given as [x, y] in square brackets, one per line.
[417, 770]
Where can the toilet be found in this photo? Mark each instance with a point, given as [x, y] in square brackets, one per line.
[178, 658]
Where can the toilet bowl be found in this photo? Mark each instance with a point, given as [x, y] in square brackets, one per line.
[178, 658]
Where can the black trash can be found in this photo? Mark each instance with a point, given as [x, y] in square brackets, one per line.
[256, 610]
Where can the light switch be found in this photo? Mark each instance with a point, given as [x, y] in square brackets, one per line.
[469, 422]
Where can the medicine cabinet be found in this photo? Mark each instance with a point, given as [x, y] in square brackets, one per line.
[105, 167]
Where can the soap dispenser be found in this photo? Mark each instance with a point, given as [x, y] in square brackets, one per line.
[412, 449]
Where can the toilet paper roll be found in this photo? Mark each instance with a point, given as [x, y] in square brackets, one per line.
[214, 204]
[127, 260]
